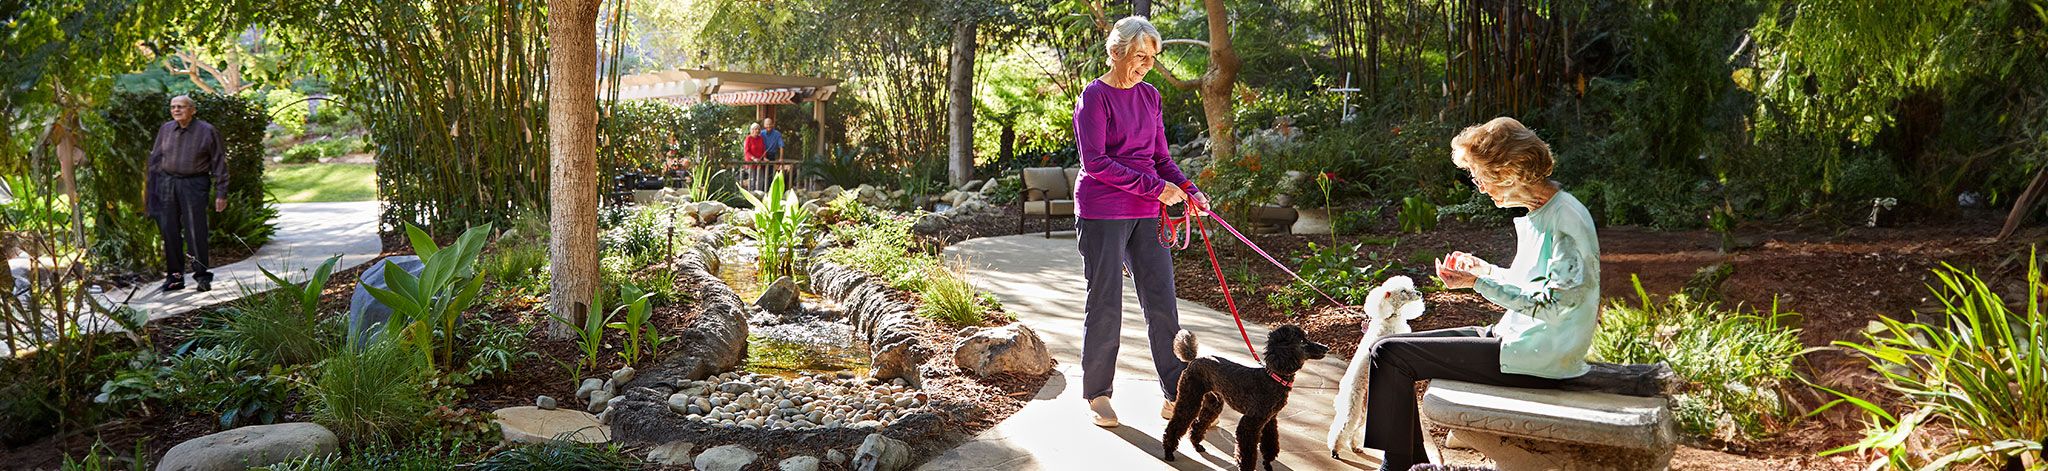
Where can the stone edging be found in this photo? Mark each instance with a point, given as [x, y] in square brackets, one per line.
[888, 325]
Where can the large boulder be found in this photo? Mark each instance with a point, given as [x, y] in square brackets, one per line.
[528, 424]
[725, 458]
[709, 211]
[365, 313]
[248, 447]
[1012, 348]
[881, 453]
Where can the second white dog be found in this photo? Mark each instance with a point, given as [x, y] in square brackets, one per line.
[1388, 309]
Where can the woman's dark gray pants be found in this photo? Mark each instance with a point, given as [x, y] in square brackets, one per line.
[1107, 246]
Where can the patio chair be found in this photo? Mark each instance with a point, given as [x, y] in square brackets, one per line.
[1048, 193]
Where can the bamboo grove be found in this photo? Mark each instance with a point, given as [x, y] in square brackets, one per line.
[1499, 56]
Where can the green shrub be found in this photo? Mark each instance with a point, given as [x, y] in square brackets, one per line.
[1736, 365]
[287, 109]
[558, 455]
[1417, 214]
[279, 326]
[885, 249]
[103, 458]
[1005, 190]
[1334, 269]
[376, 391]
[226, 382]
[1982, 373]
[949, 298]
[491, 348]
[518, 267]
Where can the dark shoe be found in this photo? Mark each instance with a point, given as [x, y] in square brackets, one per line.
[205, 286]
[174, 285]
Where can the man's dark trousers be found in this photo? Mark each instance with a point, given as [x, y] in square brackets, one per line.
[182, 221]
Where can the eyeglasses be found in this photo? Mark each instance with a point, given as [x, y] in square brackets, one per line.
[180, 107]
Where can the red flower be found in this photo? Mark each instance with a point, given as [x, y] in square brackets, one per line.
[1331, 176]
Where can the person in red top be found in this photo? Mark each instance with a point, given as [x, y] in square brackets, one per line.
[756, 147]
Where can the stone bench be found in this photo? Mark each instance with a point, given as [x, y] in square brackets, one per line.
[1532, 429]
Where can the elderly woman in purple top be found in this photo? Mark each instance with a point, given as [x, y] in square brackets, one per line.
[1126, 177]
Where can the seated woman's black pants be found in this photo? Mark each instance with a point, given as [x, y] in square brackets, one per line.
[1392, 423]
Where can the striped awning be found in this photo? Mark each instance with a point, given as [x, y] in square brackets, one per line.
[764, 97]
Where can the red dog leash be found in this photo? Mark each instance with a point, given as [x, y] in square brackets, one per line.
[1175, 233]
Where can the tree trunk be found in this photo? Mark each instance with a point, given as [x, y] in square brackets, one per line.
[572, 152]
[1217, 86]
[960, 105]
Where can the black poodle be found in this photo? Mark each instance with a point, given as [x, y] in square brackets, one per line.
[1258, 393]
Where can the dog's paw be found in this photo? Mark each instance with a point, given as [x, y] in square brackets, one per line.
[1166, 456]
[1201, 450]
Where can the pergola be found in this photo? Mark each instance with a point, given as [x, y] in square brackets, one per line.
[762, 91]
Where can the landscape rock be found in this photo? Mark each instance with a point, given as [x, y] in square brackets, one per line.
[835, 457]
[725, 458]
[620, 377]
[671, 453]
[527, 424]
[709, 211]
[971, 186]
[799, 463]
[544, 403]
[365, 314]
[589, 385]
[252, 446]
[781, 296]
[881, 453]
[599, 399]
[1012, 348]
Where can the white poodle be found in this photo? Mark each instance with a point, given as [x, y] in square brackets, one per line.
[1387, 309]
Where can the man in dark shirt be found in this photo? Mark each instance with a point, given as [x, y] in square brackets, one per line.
[772, 138]
[186, 161]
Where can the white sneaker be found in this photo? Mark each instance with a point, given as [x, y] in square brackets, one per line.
[1166, 412]
[1104, 416]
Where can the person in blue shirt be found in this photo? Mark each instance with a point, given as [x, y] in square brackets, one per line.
[772, 138]
[1551, 292]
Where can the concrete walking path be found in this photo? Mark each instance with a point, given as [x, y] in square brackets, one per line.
[307, 233]
[1039, 280]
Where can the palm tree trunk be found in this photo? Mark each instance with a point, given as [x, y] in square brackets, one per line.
[572, 151]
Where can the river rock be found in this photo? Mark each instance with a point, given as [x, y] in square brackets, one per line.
[725, 458]
[671, 453]
[252, 446]
[881, 453]
[799, 463]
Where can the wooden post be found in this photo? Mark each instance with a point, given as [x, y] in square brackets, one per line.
[818, 121]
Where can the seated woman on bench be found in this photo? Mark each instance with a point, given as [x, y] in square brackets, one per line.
[1551, 292]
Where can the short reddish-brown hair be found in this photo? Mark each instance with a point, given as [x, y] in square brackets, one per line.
[1503, 147]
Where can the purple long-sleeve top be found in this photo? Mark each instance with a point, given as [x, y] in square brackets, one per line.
[1124, 162]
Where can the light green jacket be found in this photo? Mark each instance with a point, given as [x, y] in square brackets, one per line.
[1551, 291]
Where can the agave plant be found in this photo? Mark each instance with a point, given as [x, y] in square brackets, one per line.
[778, 225]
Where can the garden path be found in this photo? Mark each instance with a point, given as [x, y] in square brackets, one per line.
[1039, 280]
[307, 233]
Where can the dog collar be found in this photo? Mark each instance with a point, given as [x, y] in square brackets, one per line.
[1283, 383]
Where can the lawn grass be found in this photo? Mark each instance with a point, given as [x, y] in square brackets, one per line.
[319, 183]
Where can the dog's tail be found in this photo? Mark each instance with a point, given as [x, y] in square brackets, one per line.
[1184, 346]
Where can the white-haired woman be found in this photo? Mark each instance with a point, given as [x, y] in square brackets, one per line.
[1126, 177]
